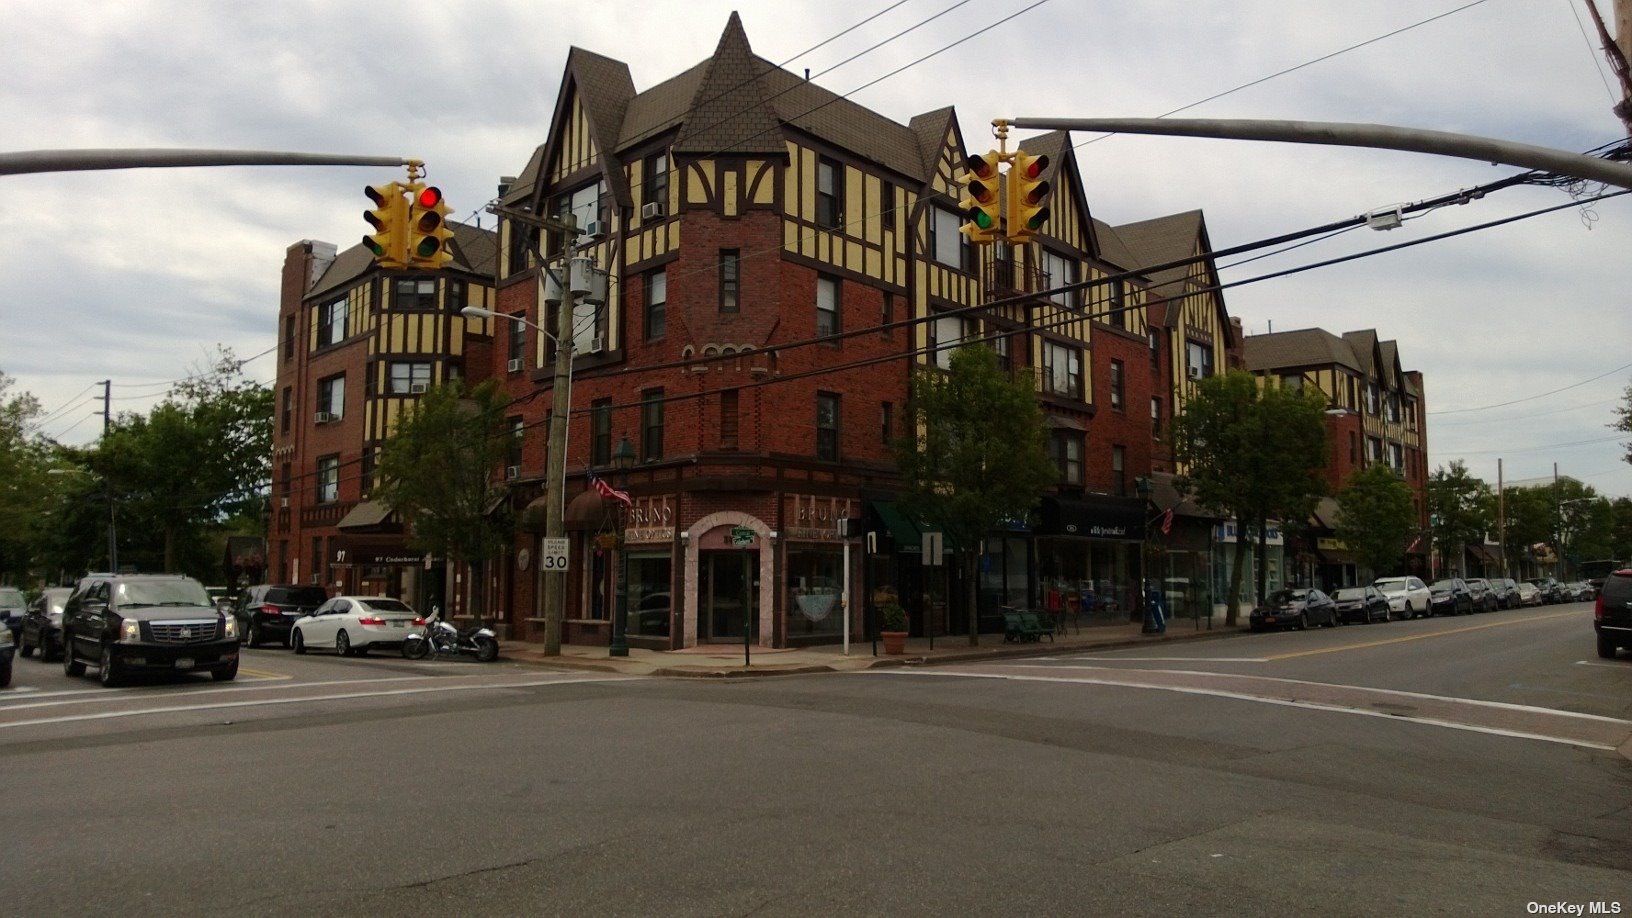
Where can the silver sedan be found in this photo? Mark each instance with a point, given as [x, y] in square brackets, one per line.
[355, 624]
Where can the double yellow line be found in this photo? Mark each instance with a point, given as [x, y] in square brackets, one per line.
[1419, 637]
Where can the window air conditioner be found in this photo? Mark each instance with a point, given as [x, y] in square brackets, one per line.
[283, 502]
[512, 471]
[595, 229]
[1195, 372]
[514, 366]
[651, 211]
[597, 344]
[417, 388]
[324, 417]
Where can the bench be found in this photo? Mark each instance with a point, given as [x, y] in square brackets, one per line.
[1020, 626]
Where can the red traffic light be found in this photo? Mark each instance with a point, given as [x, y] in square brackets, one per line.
[984, 167]
[430, 196]
[1033, 167]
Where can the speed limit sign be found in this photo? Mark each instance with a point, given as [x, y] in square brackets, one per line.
[552, 555]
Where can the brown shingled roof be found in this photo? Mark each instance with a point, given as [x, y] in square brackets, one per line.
[1161, 240]
[728, 112]
[1301, 347]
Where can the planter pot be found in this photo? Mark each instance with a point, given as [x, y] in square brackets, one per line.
[895, 642]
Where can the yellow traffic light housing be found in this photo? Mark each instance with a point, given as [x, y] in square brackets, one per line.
[982, 200]
[389, 240]
[428, 232]
[1027, 208]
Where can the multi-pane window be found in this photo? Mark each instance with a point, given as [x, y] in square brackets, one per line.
[1116, 384]
[288, 406]
[1198, 359]
[458, 295]
[1119, 471]
[730, 421]
[289, 338]
[1155, 349]
[1374, 450]
[409, 378]
[730, 280]
[657, 303]
[1293, 381]
[332, 319]
[1062, 370]
[1394, 407]
[1000, 346]
[331, 397]
[945, 241]
[366, 475]
[887, 423]
[328, 479]
[827, 306]
[1396, 458]
[1066, 445]
[600, 432]
[651, 424]
[829, 194]
[1156, 418]
[827, 426]
[415, 293]
[516, 353]
[1372, 398]
[1059, 271]
[512, 448]
[656, 187]
[1119, 314]
[945, 334]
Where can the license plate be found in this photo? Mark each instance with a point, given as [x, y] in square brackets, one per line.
[1269, 618]
[184, 663]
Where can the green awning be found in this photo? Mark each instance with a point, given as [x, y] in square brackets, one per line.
[906, 535]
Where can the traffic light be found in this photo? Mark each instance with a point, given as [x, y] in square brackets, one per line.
[1027, 194]
[428, 232]
[981, 204]
[388, 242]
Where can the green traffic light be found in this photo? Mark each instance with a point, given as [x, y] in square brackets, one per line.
[373, 246]
[427, 248]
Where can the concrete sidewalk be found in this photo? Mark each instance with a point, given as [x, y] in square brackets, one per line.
[727, 660]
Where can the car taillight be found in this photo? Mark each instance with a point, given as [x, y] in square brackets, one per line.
[1598, 608]
[371, 620]
[419, 623]
[271, 610]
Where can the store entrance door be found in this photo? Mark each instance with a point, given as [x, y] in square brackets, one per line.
[727, 589]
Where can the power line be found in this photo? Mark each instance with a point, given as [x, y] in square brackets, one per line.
[1531, 398]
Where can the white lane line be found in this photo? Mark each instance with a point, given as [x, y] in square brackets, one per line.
[1503, 705]
[86, 696]
[174, 709]
[1167, 659]
[1242, 696]
[1622, 666]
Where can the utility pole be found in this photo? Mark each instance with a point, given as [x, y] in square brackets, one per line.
[555, 466]
[107, 482]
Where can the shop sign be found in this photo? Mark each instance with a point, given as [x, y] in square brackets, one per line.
[1325, 544]
[742, 535]
[651, 521]
[808, 518]
[1225, 532]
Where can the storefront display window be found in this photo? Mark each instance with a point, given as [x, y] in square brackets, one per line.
[1097, 579]
[815, 582]
[650, 602]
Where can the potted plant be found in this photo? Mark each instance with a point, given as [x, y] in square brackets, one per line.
[893, 627]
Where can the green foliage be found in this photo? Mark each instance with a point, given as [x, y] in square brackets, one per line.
[437, 472]
[25, 493]
[892, 617]
[1460, 508]
[1377, 518]
[975, 453]
[1251, 452]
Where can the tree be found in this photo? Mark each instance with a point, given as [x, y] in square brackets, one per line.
[1529, 524]
[437, 468]
[1377, 518]
[25, 494]
[1458, 508]
[1253, 452]
[975, 454]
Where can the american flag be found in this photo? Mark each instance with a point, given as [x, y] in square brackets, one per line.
[1414, 543]
[1167, 521]
[607, 491]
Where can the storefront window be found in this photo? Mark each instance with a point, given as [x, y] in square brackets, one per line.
[815, 581]
[650, 603]
[1094, 578]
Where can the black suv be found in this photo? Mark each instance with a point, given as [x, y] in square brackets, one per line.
[266, 612]
[1612, 613]
[146, 622]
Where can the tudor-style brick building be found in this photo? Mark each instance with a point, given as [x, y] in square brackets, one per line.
[779, 260]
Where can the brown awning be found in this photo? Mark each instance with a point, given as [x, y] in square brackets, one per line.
[1064, 423]
[367, 514]
[585, 511]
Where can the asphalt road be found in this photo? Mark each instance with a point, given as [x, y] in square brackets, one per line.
[1446, 766]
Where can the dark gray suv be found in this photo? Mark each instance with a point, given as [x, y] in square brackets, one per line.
[129, 623]
[1612, 613]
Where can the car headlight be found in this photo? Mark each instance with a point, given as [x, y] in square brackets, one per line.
[5, 637]
[130, 631]
[232, 626]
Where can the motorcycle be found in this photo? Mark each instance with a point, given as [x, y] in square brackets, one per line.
[439, 637]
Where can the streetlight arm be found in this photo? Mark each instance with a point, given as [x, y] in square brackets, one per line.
[473, 312]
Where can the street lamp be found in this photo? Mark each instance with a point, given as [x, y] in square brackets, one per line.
[113, 531]
[555, 472]
[623, 458]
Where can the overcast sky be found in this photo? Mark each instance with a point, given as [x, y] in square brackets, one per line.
[1520, 331]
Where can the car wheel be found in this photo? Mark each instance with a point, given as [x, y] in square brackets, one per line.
[225, 675]
[252, 635]
[70, 666]
[109, 674]
[1606, 648]
[298, 642]
[342, 644]
[1303, 621]
[24, 648]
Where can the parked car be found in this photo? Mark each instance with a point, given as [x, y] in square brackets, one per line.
[355, 624]
[127, 623]
[1551, 590]
[1484, 597]
[1450, 597]
[1507, 592]
[1580, 591]
[1297, 607]
[1408, 597]
[13, 606]
[268, 611]
[1364, 604]
[42, 626]
[7, 648]
[1611, 614]
[1529, 594]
